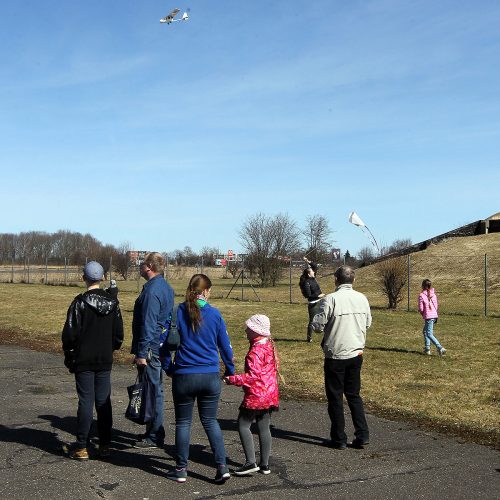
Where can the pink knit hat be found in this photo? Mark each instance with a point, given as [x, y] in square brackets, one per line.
[260, 324]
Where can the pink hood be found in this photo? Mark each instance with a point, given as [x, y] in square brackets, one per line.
[428, 304]
[260, 380]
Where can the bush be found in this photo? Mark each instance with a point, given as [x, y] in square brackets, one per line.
[393, 274]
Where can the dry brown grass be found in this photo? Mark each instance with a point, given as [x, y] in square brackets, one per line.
[456, 268]
[457, 393]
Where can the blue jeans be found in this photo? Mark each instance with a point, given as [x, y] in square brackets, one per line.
[93, 387]
[155, 430]
[206, 389]
[429, 335]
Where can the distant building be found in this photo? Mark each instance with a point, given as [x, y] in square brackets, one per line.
[136, 256]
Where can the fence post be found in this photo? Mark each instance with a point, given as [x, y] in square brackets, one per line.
[202, 264]
[166, 267]
[110, 268]
[65, 271]
[12, 272]
[486, 284]
[409, 277]
[46, 270]
[28, 270]
[242, 276]
[290, 279]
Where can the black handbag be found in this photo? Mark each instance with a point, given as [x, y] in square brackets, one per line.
[141, 407]
[170, 338]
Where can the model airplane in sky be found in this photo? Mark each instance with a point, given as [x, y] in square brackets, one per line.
[170, 18]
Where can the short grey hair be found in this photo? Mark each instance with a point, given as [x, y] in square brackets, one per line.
[344, 275]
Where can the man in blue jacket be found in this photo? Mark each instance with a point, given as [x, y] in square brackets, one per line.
[152, 312]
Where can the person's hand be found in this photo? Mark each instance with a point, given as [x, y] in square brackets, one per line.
[226, 380]
[140, 361]
[321, 295]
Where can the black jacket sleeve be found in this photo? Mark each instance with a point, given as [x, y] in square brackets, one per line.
[72, 326]
[312, 290]
[117, 329]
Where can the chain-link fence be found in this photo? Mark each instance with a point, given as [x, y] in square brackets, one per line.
[464, 285]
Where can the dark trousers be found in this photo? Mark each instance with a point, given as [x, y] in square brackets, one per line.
[343, 377]
[312, 309]
[93, 387]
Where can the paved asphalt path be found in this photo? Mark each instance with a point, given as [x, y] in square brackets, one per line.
[38, 406]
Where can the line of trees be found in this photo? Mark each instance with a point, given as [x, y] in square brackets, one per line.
[59, 248]
[270, 241]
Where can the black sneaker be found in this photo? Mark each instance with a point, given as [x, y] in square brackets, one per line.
[222, 474]
[359, 444]
[145, 444]
[178, 475]
[264, 469]
[335, 445]
[246, 469]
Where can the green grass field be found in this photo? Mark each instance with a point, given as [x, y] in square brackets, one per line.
[458, 393]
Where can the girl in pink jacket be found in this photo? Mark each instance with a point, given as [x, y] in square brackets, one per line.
[260, 385]
[428, 308]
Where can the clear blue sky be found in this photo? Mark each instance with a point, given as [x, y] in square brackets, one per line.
[164, 136]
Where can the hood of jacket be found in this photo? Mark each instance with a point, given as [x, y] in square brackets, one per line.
[431, 293]
[100, 301]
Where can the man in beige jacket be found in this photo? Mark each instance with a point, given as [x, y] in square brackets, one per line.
[344, 318]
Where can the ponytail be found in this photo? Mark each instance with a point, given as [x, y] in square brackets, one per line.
[277, 362]
[197, 284]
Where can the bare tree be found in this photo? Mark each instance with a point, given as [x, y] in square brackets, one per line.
[398, 245]
[121, 260]
[209, 254]
[393, 275]
[317, 234]
[366, 255]
[266, 240]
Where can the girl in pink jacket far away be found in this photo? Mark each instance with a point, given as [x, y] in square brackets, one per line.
[428, 308]
[261, 396]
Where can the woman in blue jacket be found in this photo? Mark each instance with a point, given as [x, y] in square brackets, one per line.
[196, 375]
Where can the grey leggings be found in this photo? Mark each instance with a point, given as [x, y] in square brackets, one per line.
[263, 420]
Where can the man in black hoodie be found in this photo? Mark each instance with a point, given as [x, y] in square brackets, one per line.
[93, 330]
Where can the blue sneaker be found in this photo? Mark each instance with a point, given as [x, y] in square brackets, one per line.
[222, 474]
[178, 475]
[146, 444]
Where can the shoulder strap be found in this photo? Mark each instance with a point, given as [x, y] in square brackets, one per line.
[173, 320]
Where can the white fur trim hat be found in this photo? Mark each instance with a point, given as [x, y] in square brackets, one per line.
[259, 323]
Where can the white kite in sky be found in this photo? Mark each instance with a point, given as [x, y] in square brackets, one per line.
[170, 17]
[355, 219]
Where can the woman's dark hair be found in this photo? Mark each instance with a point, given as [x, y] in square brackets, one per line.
[302, 281]
[303, 277]
[197, 284]
[426, 284]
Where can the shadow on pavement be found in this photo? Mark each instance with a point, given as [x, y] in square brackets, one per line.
[123, 454]
[277, 433]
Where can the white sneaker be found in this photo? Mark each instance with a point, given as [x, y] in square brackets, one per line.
[442, 351]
